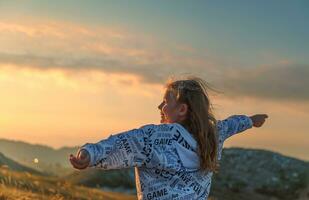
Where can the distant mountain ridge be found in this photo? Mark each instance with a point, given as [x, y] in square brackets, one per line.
[49, 160]
[15, 166]
[25, 152]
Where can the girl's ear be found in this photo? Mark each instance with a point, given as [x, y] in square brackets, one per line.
[183, 109]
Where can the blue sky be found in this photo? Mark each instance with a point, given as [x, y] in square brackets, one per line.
[240, 31]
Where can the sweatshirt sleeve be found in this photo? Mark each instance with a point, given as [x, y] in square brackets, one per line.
[233, 125]
[133, 148]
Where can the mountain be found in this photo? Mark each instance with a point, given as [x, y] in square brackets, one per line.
[266, 174]
[53, 161]
[26, 152]
[14, 166]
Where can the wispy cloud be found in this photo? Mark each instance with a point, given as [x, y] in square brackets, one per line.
[67, 45]
[53, 44]
[283, 81]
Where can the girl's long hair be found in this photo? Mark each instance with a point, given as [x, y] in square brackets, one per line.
[200, 120]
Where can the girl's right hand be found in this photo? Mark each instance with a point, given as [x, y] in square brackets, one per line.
[258, 120]
[81, 161]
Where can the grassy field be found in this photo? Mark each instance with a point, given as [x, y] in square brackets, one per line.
[24, 186]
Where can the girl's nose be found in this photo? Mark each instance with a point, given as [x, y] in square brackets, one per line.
[160, 106]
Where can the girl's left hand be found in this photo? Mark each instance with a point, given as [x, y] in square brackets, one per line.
[81, 161]
[258, 120]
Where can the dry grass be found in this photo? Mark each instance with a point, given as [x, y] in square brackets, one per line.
[17, 186]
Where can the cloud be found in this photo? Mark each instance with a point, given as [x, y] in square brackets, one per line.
[284, 81]
[63, 45]
[67, 45]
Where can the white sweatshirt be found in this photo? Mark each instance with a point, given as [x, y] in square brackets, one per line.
[164, 156]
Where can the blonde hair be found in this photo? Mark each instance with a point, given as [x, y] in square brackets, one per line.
[200, 120]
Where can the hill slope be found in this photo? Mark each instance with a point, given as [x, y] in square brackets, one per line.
[52, 161]
[19, 185]
[25, 152]
[12, 165]
[260, 172]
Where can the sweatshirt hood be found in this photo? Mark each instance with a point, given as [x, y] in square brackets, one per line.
[187, 148]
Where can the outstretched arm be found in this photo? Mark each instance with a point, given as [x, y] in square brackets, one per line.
[238, 123]
[124, 150]
[127, 149]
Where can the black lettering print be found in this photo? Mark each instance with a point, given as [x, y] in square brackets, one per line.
[123, 143]
[196, 187]
[158, 193]
[163, 141]
[178, 138]
[160, 170]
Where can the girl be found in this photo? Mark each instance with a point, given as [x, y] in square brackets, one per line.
[175, 159]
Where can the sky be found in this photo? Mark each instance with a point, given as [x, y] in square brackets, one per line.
[77, 71]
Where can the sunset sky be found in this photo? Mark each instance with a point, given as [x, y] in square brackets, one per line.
[77, 71]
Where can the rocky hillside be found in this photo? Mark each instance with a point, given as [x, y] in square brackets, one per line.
[263, 173]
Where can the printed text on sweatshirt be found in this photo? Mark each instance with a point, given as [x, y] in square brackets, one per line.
[164, 157]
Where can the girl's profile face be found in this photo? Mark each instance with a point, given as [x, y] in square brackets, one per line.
[169, 109]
